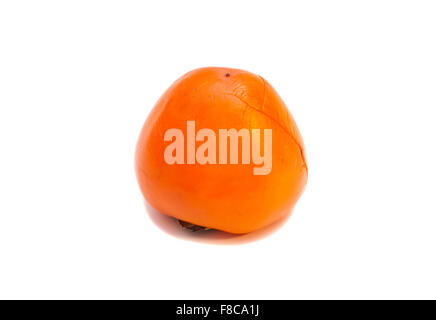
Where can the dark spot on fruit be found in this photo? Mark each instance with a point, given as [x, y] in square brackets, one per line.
[227, 74]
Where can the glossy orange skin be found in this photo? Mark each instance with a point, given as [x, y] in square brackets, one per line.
[226, 197]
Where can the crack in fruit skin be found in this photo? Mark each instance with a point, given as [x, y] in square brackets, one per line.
[303, 159]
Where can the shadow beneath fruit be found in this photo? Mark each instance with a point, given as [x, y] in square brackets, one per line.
[172, 227]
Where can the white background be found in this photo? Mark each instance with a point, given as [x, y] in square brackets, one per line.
[78, 78]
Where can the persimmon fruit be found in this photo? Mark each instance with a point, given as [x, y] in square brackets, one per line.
[222, 195]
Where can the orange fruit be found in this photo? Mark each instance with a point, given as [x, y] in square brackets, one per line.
[214, 193]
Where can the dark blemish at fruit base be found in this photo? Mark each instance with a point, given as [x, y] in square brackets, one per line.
[227, 75]
[191, 226]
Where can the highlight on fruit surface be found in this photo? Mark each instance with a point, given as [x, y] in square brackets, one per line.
[220, 150]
